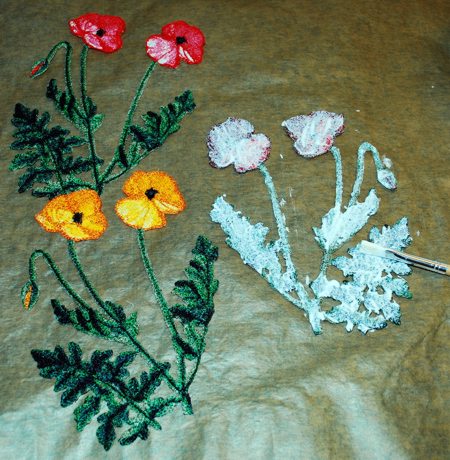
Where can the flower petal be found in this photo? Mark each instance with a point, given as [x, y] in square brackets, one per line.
[163, 51]
[140, 213]
[314, 134]
[252, 152]
[100, 32]
[58, 215]
[169, 199]
[224, 138]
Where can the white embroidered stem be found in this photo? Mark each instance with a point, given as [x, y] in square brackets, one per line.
[280, 220]
[339, 185]
[363, 148]
[284, 242]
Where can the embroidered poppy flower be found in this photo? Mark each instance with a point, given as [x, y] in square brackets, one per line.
[234, 142]
[177, 42]
[314, 134]
[100, 32]
[77, 216]
[150, 195]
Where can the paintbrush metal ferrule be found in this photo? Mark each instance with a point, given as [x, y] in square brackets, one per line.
[393, 254]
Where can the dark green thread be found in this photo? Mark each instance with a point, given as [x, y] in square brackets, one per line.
[102, 385]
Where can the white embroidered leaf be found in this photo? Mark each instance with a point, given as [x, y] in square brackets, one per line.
[366, 301]
[250, 242]
[338, 227]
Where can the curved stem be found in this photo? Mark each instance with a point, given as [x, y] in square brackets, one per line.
[129, 119]
[156, 289]
[339, 184]
[75, 259]
[64, 283]
[68, 62]
[84, 99]
[363, 148]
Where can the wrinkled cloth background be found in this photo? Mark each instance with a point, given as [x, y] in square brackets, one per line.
[267, 387]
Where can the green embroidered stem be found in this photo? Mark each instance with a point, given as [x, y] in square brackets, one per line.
[68, 62]
[362, 150]
[126, 128]
[74, 256]
[197, 363]
[56, 271]
[156, 289]
[84, 99]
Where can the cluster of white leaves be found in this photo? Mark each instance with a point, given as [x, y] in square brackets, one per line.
[250, 242]
[366, 301]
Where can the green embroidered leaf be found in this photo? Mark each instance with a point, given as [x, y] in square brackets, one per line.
[48, 157]
[114, 326]
[140, 430]
[198, 290]
[69, 107]
[85, 412]
[66, 104]
[160, 126]
[144, 388]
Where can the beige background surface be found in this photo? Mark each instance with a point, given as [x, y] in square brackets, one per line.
[267, 387]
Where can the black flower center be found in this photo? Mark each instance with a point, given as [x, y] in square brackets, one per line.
[150, 193]
[78, 218]
[181, 40]
[100, 32]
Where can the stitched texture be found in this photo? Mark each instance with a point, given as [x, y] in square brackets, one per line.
[67, 170]
[365, 298]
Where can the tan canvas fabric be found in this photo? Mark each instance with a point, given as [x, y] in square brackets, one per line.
[267, 387]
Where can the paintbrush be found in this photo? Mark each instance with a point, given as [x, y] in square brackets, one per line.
[380, 251]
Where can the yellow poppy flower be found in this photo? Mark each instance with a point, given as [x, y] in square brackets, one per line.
[150, 195]
[77, 216]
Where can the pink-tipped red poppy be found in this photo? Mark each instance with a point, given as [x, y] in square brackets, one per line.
[177, 42]
[98, 31]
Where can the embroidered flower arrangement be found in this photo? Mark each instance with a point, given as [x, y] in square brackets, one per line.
[365, 298]
[74, 185]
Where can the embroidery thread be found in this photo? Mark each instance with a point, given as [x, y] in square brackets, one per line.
[365, 298]
[47, 153]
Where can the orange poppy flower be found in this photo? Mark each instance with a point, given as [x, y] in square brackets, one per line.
[77, 216]
[150, 195]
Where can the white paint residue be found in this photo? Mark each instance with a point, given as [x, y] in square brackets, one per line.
[314, 133]
[282, 202]
[387, 162]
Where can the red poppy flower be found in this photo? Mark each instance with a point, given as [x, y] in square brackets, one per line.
[177, 42]
[100, 32]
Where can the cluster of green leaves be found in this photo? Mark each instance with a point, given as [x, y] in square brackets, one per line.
[111, 324]
[66, 103]
[106, 381]
[197, 295]
[47, 154]
[158, 127]
[130, 401]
